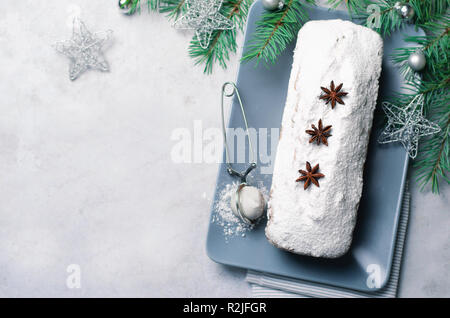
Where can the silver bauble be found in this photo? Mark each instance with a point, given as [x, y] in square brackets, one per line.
[273, 4]
[125, 6]
[398, 5]
[405, 10]
[417, 61]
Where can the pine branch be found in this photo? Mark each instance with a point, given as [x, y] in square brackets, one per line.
[432, 163]
[436, 48]
[223, 42]
[152, 5]
[173, 8]
[428, 10]
[274, 31]
[389, 19]
[353, 6]
[135, 5]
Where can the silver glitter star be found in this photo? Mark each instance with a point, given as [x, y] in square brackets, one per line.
[407, 125]
[84, 49]
[203, 16]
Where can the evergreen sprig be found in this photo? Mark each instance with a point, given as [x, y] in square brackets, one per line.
[135, 5]
[173, 8]
[274, 31]
[223, 42]
[353, 6]
[432, 163]
[428, 10]
[434, 46]
[433, 159]
[390, 20]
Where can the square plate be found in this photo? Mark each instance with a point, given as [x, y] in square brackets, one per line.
[263, 91]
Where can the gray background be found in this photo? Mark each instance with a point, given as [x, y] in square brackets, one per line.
[86, 175]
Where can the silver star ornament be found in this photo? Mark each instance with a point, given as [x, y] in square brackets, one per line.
[203, 16]
[84, 49]
[407, 125]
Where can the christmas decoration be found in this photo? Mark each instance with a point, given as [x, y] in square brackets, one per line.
[404, 10]
[203, 16]
[417, 61]
[126, 6]
[275, 30]
[407, 125]
[84, 49]
[129, 7]
[273, 4]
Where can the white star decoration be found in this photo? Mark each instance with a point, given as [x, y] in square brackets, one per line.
[203, 16]
[84, 49]
[407, 125]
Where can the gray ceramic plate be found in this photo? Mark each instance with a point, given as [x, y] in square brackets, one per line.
[263, 91]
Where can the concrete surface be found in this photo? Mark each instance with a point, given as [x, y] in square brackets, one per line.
[86, 176]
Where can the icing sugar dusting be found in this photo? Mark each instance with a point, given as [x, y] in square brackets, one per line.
[224, 216]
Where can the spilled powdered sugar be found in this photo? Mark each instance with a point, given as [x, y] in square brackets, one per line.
[224, 216]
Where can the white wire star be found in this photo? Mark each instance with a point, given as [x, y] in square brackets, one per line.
[203, 16]
[407, 125]
[84, 49]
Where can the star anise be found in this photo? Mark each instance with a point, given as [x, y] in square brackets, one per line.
[333, 94]
[310, 175]
[319, 134]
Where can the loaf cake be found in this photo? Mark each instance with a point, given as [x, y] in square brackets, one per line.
[318, 172]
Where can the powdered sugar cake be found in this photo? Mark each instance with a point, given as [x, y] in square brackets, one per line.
[319, 221]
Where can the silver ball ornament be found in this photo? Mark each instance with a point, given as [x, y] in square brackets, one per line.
[273, 4]
[417, 61]
[398, 5]
[125, 6]
[405, 10]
